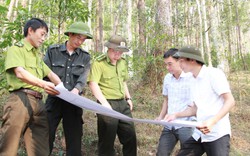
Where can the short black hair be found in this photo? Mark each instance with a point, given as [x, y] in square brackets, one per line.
[170, 52]
[34, 23]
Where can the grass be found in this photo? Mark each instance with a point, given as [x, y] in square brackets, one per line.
[147, 105]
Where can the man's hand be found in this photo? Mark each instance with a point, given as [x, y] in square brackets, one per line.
[158, 118]
[50, 88]
[130, 104]
[75, 91]
[206, 126]
[170, 117]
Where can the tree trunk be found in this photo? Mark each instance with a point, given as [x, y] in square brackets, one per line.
[11, 6]
[99, 28]
[208, 50]
[141, 21]
[89, 43]
[117, 18]
[163, 24]
[200, 28]
[228, 27]
[24, 3]
[238, 34]
[9, 14]
[15, 12]
[30, 3]
[175, 27]
[129, 21]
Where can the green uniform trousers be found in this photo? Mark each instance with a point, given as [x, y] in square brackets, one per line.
[24, 115]
[108, 128]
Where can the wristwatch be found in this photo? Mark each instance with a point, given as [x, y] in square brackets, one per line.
[128, 99]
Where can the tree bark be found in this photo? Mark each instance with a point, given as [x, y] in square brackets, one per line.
[129, 21]
[208, 50]
[200, 28]
[11, 6]
[117, 17]
[163, 24]
[238, 33]
[99, 28]
[141, 21]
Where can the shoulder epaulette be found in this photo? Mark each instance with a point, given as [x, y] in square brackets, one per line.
[101, 57]
[54, 46]
[123, 57]
[83, 50]
[19, 44]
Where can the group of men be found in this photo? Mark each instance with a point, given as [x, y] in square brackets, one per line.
[209, 100]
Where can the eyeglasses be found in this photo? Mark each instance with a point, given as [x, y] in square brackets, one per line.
[116, 51]
[81, 37]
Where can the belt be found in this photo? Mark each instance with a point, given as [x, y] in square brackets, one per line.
[116, 99]
[32, 92]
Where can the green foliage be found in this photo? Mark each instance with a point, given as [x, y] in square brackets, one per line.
[14, 30]
[59, 11]
[3, 10]
[3, 82]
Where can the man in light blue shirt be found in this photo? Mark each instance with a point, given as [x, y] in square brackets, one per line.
[176, 92]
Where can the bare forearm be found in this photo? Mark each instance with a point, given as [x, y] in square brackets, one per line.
[227, 106]
[127, 94]
[27, 77]
[98, 93]
[189, 111]
[54, 78]
[164, 109]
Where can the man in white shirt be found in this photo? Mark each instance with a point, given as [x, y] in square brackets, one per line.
[176, 92]
[212, 101]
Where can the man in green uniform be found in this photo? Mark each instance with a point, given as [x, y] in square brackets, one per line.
[24, 111]
[107, 81]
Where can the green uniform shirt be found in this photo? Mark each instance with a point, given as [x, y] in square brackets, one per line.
[110, 78]
[23, 54]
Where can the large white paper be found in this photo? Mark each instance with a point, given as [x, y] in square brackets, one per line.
[88, 104]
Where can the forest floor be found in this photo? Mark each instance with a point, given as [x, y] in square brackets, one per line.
[147, 105]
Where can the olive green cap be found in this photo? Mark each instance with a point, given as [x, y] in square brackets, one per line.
[79, 28]
[118, 43]
[189, 52]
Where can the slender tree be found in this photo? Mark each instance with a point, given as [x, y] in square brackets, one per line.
[238, 35]
[117, 18]
[208, 49]
[141, 21]
[200, 28]
[99, 27]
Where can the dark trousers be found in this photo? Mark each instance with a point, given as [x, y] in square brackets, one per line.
[108, 128]
[170, 137]
[24, 115]
[219, 147]
[71, 116]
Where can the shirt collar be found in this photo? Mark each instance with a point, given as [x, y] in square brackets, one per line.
[183, 74]
[63, 48]
[202, 72]
[108, 60]
[27, 45]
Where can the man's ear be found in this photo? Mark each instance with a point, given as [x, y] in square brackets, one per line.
[70, 34]
[30, 30]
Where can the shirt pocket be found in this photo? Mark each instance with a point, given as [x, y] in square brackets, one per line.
[33, 66]
[77, 69]
[59, 68]
[109, 79]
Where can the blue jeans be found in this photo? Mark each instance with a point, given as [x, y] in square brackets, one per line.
[219, 147]
[170, 137]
